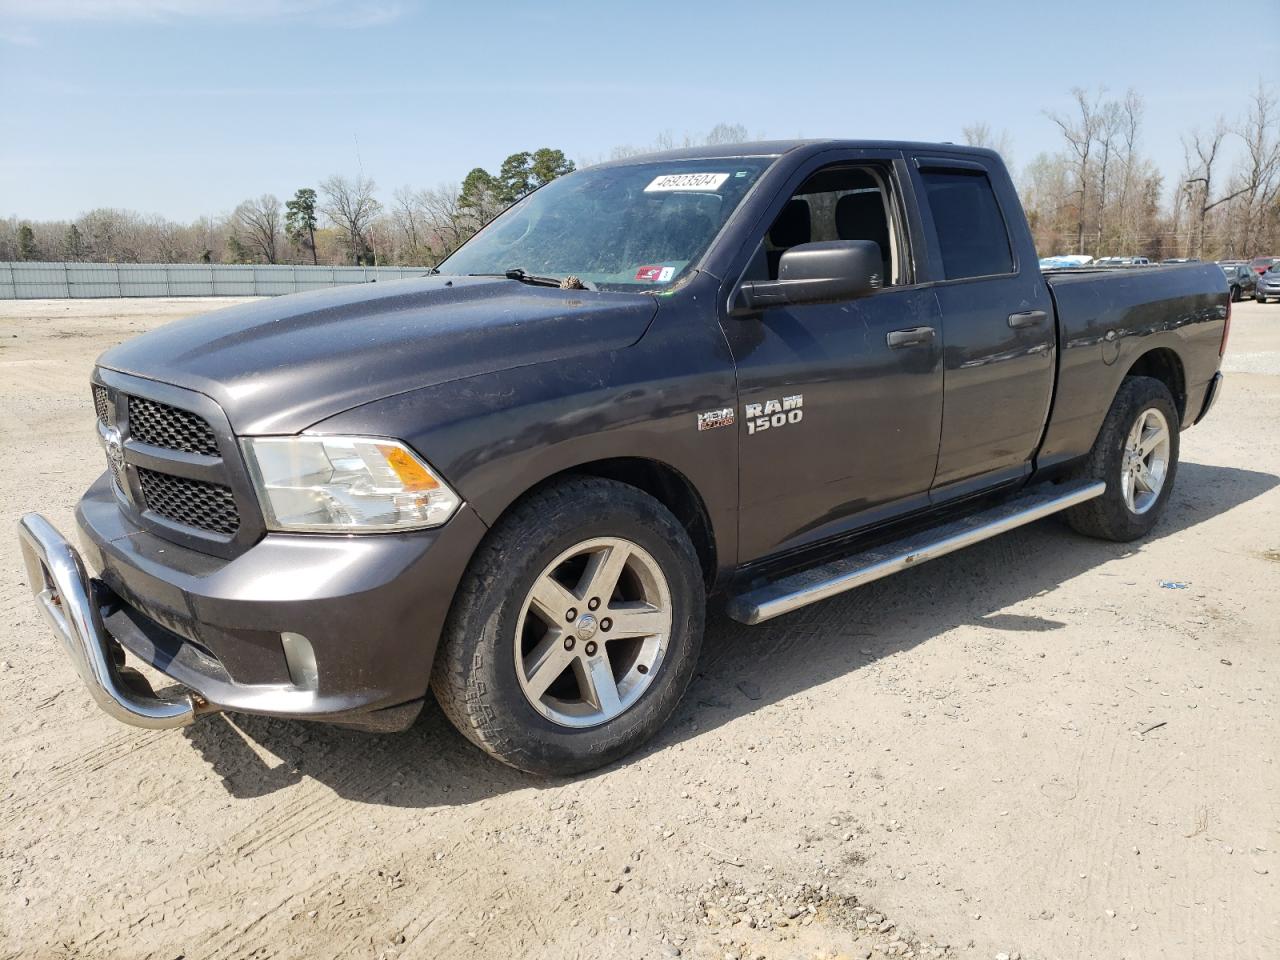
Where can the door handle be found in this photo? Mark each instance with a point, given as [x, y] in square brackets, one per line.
[912, 336]
[1028, 319]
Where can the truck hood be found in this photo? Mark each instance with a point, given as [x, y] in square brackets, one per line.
[281, 365]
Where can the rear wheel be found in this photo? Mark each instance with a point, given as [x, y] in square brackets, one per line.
[1235, 294]
[1136, 453]
[576, 630]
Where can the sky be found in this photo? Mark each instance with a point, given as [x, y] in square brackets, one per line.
[186, 107]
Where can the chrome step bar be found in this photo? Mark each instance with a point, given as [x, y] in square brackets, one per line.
[818, 583]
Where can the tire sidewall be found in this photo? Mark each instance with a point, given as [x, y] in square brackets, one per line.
[486, 634]
[1138, 396]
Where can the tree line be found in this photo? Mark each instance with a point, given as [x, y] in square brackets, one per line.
[1101, 196]
[1098, 195]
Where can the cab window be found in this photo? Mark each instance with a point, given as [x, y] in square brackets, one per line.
[836, 203]
[972, 236]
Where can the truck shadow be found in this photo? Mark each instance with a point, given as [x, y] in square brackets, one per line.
[743, 669]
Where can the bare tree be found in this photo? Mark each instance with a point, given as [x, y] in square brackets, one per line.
[351, 207]
[1259, 174]
[1110, 118]
[1131, 113]
[726, 133]
[981, 135]
[257, 223]
[1080, 133]
[1203, 152]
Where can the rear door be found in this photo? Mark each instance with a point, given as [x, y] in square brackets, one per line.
[998, 325]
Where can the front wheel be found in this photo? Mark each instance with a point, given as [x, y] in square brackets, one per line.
[576, 629]
[1235, 294]
[1136, 453]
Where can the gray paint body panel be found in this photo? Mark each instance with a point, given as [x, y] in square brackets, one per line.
[501, 386]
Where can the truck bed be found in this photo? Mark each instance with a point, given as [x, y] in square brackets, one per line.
[1125, 316]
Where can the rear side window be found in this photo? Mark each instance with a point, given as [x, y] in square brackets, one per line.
[972, 235]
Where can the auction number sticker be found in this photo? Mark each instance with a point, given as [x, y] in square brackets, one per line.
[686, 181]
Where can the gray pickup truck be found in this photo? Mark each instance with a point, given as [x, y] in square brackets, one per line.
[761, 374]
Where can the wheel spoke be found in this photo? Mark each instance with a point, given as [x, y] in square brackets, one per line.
[621, 594]
[552, 599]
[1143, 479]
[595, 678]
[1127, 484]
[1153, 440]
[600, 579]
[546, 662]
[1135, 434]
[636, 620]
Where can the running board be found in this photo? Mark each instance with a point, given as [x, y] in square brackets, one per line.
[818, 583]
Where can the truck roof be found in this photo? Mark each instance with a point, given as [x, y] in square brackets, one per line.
[776, 148]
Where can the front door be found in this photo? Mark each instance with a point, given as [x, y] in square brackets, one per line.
[840, 405]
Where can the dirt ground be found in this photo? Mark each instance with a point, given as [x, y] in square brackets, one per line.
[1043, 746]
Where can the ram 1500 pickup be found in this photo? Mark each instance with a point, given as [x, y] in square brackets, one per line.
[763, 374]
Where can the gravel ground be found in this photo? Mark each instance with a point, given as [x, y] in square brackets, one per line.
[1031, 748]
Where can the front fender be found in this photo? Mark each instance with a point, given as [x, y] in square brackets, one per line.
[497, 435]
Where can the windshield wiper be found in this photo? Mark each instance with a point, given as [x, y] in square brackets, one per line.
[522, 275]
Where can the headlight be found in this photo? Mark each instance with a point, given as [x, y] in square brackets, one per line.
[345, 485]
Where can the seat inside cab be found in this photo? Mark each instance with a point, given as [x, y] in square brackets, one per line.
[836, 203]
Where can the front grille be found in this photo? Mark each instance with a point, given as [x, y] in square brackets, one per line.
[100, 402]
[195, 503]
[164, 426]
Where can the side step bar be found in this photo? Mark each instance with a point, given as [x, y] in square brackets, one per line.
[809, 586]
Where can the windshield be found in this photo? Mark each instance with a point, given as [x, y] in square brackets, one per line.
[618, 227]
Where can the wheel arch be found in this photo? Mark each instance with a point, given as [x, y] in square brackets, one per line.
[660, 480]
[1164, 364]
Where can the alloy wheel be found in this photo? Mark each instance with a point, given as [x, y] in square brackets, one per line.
[592, 632]
[1145, 464]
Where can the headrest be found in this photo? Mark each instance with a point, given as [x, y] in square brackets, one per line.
[860, 216]
[793, 225]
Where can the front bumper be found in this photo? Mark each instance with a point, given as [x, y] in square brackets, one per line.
[371, 609]
[69, 601]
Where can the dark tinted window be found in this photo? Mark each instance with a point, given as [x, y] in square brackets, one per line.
[971, 232]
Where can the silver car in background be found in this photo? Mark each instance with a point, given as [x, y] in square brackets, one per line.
[1268, 285]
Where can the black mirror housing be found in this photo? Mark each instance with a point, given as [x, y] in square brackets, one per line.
[828, 271]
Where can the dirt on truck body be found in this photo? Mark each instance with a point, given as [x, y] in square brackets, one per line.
[763, 375]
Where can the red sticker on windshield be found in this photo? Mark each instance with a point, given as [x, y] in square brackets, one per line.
[658, 274]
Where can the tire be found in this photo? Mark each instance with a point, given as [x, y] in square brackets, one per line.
[571, 727]
[1113, 516]
[1235, 294]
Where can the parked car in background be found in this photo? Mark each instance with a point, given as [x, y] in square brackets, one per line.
[1268, 285]
[1122, 262]
[1181, 260]
[1241, 280]
[1065, 261]
[1263, 264]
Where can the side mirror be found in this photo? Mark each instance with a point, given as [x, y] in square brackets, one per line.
[825, 272]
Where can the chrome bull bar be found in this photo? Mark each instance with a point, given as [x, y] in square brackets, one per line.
[67, 598]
